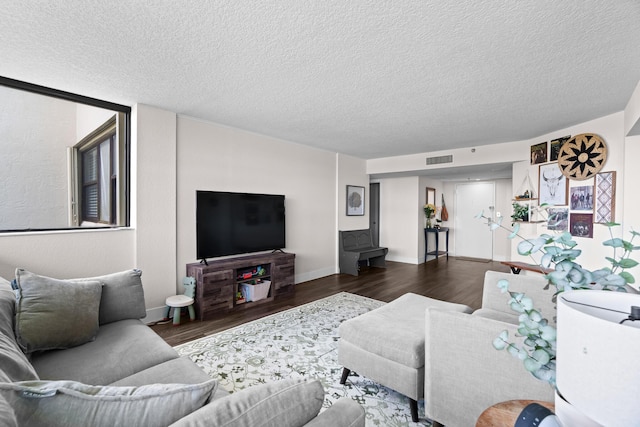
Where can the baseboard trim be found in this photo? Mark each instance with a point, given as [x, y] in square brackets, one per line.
[154, 315]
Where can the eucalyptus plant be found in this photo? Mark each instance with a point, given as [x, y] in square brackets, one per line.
[560, 253]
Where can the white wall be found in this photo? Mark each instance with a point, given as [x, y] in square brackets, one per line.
[632, 114]
[351, 171]
[150, 243]
[171, 158]
[401, 218]
[423, 183]
[175, 156]
[483, 155]
[502, 200]
[66, 255]
[504, 197]
[154, 192]
[611, 129]
[34, 133]
[218, 158]
[631, 209]
[89, 119]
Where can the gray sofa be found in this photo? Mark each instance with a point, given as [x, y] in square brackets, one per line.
[464, 374]
[75, 353]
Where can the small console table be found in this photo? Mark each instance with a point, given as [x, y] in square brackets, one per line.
[437, 232]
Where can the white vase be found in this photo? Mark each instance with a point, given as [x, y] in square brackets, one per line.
[569, 416]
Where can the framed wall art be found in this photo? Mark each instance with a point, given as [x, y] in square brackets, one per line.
[558, 219]
[581, 225]
[605, 197]
[355, 200]
[581, 198]
[431, 195]
[554, 147]
[582, 156]
[539, 153]
[552, 185]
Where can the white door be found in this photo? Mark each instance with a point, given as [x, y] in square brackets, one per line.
[473, 237]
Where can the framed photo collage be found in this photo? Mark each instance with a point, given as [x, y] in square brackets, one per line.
[572, 205]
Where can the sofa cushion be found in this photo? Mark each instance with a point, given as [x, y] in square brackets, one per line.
[7, 416]
[14, 365]
[179, 370]
[121, 349]
[7, 307]
[55, 314]
[69, 403]
[292, 402]
[489, 313]
[122, 296]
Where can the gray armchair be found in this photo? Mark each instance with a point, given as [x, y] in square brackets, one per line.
[464, 374]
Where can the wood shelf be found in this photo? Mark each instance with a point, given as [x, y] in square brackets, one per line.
[217, 283]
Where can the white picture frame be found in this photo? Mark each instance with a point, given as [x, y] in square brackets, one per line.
[553, 186]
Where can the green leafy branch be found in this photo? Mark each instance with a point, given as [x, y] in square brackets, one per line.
[560, 252]
[538, 349]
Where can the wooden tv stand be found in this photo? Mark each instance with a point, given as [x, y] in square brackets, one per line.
[218, 283]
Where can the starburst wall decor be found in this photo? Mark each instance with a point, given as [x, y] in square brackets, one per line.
[582, 156]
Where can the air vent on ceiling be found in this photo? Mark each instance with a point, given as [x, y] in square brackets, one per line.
[440, 159]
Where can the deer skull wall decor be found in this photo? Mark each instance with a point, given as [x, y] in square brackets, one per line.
[552, 185]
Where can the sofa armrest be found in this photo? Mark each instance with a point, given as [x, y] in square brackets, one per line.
[464, 374]
[285, 403]
[345, 412]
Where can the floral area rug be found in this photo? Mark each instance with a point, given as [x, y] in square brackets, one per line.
[300, 342]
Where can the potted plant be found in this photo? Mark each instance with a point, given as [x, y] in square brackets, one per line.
[520, 212]
[429, 210]
[559, 252]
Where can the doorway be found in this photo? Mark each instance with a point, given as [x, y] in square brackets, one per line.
[473, 237]
[374, 212]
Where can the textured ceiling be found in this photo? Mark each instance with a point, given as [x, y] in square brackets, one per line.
[368, 78]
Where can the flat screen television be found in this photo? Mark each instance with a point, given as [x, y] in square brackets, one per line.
[238, 223]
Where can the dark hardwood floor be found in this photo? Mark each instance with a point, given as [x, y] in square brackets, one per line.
[452, 280]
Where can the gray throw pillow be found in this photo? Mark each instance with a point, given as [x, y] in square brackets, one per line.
[55, 314]
[70, 404]
[122, 296]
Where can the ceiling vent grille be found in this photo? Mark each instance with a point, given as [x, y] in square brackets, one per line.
[440, 159]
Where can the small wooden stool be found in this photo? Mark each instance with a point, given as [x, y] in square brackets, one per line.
[178, 301]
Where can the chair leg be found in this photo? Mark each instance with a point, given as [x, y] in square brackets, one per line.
[167, 310]
[176, 316]
[413, 404]
[192, 313]
[345, 374]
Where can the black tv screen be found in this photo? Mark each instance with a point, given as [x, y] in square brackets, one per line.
[238, 223]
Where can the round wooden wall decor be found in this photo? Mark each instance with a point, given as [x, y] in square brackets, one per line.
[582, 156]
